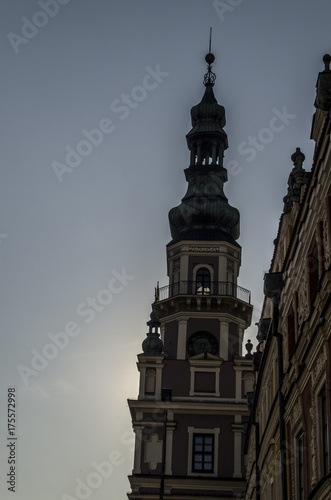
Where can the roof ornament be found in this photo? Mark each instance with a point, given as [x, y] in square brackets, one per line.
[153, 345]
[249, 346]
[298, 158]
[209, 77]
[154, 322]
[327, 60]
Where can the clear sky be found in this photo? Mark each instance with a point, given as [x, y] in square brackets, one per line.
[95, 106]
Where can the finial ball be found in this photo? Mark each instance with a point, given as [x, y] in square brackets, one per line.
[210, 58]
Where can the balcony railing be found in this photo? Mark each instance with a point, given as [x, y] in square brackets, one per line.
[213, 288]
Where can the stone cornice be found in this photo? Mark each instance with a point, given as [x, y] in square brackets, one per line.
[194, 404]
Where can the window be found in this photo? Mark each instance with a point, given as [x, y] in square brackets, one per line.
[325, 434]
[321, 244]
[203, 453]
[301, 466]
[313, 268]
[296, 309]
[329, 215]
[203, 282]
[291, 332]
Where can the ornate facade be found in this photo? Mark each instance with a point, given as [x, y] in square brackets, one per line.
[191, 408]
[288, 437]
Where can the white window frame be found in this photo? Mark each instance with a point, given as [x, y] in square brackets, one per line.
[203, 367]
[194, 430]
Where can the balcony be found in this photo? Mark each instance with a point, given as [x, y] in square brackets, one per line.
[211, 289]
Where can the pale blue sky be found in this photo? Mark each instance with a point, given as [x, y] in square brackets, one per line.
[62, 243]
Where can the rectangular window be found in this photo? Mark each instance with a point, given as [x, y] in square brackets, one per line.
[329, 216]
[313, 268]
[203, 453]
[325, 434]
[301, 466]
[321, 244]
[296, 308]
[291, 332]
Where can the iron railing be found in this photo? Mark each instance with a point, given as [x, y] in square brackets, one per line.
[218, 288]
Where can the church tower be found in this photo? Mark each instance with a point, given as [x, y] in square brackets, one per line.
[191, 409]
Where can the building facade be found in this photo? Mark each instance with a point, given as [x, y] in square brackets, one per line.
[189, 416]
[288, 436]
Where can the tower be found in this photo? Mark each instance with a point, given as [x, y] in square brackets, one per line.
[189, 416]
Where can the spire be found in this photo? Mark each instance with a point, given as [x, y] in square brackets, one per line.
[205, 213]
[210, 77]
[207, 140]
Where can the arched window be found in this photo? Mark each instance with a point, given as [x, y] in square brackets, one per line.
[203, 281]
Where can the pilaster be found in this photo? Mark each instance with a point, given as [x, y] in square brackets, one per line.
[182, 337]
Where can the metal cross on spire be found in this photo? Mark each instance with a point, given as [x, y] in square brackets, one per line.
[210, 77]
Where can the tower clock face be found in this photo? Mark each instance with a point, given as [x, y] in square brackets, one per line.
[201, 342]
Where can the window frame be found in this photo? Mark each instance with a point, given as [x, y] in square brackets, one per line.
[313, 264]
[324, 436]
[207, 455]
[196, 270]
[192, 431]
[291, 331]
[202, 365]
[300, 442]
[204, 281]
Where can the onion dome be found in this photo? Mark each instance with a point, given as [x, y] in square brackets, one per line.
[205, 212]
[208, 120]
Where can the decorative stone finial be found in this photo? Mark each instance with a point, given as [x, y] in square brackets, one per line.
[327, 60]
[298, 158]
[297, 178]
[153, 345]
[154, 321]
[323, 90]
[249, 347]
